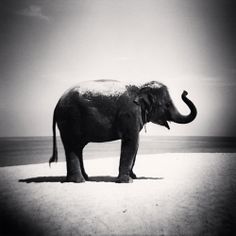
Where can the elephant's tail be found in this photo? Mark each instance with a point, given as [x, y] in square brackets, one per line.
[54, 156]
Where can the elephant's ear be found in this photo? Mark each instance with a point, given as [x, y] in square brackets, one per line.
[145, 101]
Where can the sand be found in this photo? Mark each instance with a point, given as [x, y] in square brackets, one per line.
[176, 194]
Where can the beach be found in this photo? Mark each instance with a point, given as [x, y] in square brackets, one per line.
[175, 194]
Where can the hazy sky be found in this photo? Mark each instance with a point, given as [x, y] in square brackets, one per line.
[47, 46]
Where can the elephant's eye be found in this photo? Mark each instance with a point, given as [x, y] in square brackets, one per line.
[167, 105]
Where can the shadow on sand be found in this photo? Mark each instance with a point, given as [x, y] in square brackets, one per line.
[44, 179]
[62, 179]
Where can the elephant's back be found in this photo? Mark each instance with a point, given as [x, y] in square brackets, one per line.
[98, 93]
[100, 88]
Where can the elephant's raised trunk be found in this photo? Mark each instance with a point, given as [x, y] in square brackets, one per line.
[182, 119]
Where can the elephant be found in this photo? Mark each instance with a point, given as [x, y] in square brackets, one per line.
[108, 110]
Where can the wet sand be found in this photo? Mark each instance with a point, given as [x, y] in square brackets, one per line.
[175, 194]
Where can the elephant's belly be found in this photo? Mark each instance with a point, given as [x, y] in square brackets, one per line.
[101, 134]
[99, 126]
[103, 139]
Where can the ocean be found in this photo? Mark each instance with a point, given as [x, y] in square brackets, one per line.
[32, 150]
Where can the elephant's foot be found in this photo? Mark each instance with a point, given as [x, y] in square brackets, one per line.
[133, 175]
[85, 176]
[75, 179]
[124, 179]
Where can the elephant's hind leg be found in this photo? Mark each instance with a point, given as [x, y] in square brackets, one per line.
[79, 153]
[70, 135]
[75, 168]
[74, 172]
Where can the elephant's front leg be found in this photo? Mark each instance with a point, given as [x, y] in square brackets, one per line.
[132, 174]
[129, 149]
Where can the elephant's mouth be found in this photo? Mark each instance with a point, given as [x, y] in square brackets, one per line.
[164, 123]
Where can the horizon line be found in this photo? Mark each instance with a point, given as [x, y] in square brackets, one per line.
[152, 135]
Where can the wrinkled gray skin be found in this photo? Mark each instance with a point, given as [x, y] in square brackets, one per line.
[106, 110]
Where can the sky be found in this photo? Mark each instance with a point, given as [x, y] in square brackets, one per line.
[48, 46]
